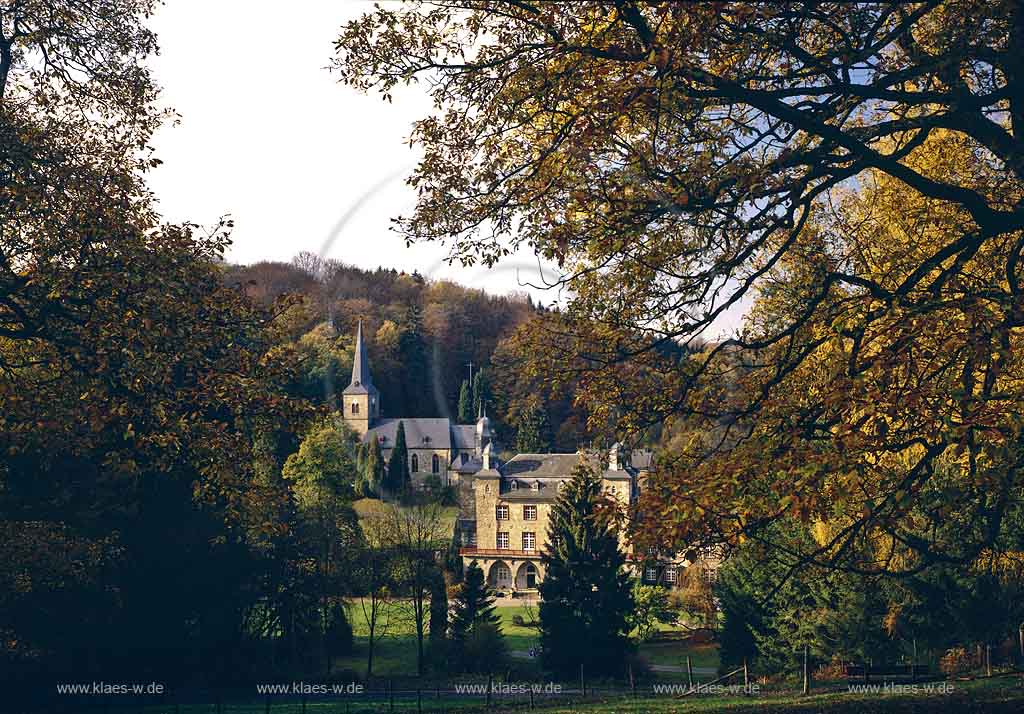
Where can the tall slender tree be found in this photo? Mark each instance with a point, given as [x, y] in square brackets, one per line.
[398, 464]
[586, 594]
[481, 390]
[466, 415]
[374, 470]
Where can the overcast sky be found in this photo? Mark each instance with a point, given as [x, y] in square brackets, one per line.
[269, 136]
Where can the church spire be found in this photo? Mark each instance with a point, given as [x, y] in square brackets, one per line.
[360, 363]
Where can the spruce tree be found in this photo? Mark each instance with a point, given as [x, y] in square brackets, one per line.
[465, 403]
[398, 464]
[474, 633]
[585, 595]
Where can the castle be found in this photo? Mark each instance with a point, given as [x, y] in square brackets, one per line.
[504, 507]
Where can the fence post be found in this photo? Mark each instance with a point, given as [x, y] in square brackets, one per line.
[807, 677]
[583, 684]
[913, 663]
[746, 681]
[689, 671]
[988, 660]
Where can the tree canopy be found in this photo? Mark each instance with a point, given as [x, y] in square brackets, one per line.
[854, 169]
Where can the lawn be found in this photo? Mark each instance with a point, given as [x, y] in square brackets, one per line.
[997, 695]
[674, 652]
[395, 653]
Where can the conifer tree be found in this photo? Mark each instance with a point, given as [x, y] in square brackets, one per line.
[585, 595]
[398, 464]
[474, 632]
[465, 403]
[373, 470]
[481, 390]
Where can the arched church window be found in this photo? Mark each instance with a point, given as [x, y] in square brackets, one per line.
[435, 464]
[355, 407]
[415, 462]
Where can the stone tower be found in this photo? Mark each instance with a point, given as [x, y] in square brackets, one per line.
[360, 402]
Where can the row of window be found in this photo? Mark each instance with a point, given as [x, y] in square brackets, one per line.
[710, 575]
[529, 541]
[435, 463]
[501, 512]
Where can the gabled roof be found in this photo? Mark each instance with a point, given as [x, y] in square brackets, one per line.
[463, 436]
[420, 433]
[361, 382]
[527, 466]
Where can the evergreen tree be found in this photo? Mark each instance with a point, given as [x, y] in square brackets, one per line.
[466, 415]
[585, 595]
[474, 633]
[415, 373]
[398, 464]
[373, 470]
[532, 430]
[481, 390]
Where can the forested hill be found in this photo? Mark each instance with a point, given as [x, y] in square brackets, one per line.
[421, 334]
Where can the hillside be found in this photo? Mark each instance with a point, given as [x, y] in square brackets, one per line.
[422, 334]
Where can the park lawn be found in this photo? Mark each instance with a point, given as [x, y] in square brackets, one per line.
[674, 652]
[1000, 695]
[395, 653]
[518, 637]
[365, 507]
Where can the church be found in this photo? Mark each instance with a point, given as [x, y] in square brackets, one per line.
[436, 446]
[503, 507]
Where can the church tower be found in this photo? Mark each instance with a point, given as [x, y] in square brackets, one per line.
[360, 402]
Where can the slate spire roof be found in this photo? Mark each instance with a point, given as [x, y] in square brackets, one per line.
[361, 382]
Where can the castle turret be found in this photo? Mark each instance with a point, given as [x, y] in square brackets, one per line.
[360, 402]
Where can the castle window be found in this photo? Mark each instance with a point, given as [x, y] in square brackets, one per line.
[529, 513]
[502, 541]
[501, 512]
[514, 485]
[355, 407]
[670, 574]
[651, 574]
[415, 462]
[435, 464]
[529, 541]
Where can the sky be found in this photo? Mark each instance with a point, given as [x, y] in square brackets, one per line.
[269, 136]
